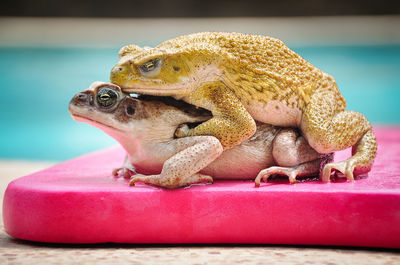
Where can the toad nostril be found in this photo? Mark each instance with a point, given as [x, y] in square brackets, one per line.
[82, 96]
[119, 69]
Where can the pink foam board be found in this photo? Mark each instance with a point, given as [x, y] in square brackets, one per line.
[78, 201]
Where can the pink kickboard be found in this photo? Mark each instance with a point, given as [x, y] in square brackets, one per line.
[79, 202]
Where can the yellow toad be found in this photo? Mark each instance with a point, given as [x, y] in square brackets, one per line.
[241, 78]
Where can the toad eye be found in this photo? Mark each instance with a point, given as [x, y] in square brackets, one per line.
[150, 68]
[106, 97]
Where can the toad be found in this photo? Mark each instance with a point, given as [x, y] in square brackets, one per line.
[244, 78]
[147, 126]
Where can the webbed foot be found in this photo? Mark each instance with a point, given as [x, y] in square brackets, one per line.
[170, 183]
[305, 169]
[345, 167]
[286, 171]
[363, 156]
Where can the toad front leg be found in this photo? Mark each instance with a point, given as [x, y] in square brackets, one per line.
[126, 171]
[182, 169]
[231, 123]
[329, 127]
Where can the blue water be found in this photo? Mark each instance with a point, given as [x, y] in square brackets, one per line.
[37, 84]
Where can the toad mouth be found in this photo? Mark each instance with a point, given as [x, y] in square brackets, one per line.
[74, 115]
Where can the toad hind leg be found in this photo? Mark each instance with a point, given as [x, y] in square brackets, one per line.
[306, 169]
[182, 168]
[328, 127]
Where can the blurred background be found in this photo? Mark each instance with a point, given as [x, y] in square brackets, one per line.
[50, 50]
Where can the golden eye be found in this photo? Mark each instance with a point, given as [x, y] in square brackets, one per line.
[150, 65]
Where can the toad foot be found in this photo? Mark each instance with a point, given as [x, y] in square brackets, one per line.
[170, 183]
[122, 172]
[345, 167]
[266, 173]
[126, 170]
[306, 169]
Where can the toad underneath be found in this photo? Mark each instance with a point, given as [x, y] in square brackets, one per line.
[245, 78]
[146, 128]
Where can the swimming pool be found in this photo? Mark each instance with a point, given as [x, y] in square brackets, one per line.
[37, 84]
